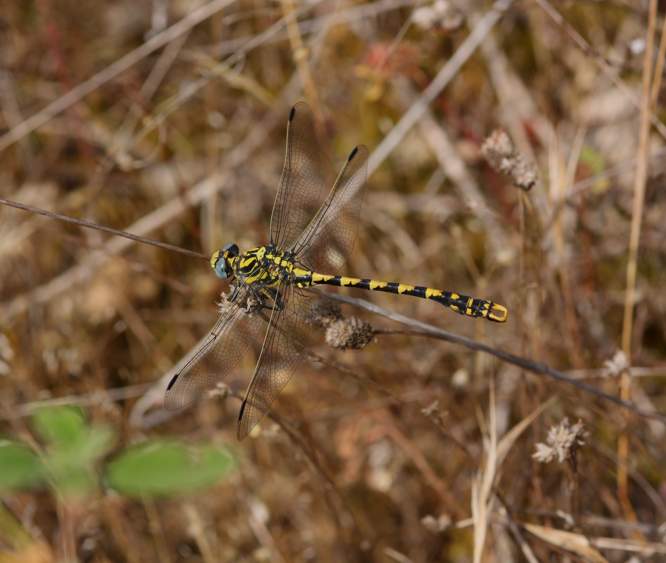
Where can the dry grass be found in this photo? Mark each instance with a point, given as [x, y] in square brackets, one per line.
[420, 447]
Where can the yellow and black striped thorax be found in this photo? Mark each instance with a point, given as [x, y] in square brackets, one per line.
[264, 266]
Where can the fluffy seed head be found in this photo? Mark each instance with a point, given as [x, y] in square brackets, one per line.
[352, 333]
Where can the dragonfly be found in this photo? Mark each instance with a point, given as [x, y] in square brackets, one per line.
[271, 285]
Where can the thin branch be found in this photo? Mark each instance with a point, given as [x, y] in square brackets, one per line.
[98, 227]
[640, 181]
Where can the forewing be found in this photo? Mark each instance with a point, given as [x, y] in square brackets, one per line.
[329, 238]
[221, 352]
[304, 182]
[279, 357]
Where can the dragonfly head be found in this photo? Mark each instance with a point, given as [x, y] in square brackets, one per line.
[221, 260]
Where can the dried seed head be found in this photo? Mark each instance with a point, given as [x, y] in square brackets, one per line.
[224, 304]
[323, 313]
[349, 333]
[440, 13]
[6, 355]
[432, 409]
[562, 442]
[245, 299]
[438, 524]
[434, 413]
[617, 364]
[499, 152]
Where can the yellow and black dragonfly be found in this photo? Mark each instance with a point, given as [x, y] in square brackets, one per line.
[266, 305]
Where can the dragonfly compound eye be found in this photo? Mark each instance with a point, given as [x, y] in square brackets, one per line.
[219, 263]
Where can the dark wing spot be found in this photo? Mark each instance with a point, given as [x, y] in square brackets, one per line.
[242, 410]
[173, 381]
[292, 113]
[352, 154]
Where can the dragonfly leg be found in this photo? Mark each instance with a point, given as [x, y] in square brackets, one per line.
[275, 298]
[279, 302]
[268, 298]
[234, 292]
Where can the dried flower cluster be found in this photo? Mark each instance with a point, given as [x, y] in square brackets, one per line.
[617, 364]
[562, 442]
[352, 333]
[438, 524]
[6, 354]
[341, 333]
[499, 152]
[440, 13]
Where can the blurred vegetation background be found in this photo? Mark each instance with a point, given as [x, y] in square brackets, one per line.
[167, 119]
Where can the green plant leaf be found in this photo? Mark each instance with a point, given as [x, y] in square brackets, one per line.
[76, 481]
[20, 467]
[60, 426]
[161, 468]
[73, 447]
[96, 442]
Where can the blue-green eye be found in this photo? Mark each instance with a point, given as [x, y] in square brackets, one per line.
[221, 268]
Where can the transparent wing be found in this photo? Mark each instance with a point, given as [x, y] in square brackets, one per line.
[306, 178]
[329, 237]
[235, 335]
[279, 357]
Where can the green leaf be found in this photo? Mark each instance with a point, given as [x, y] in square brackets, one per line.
[20, 467]
[72, 469]
[60, 426]
[96, 442]
[166, 468]
[72, 480]
[73, 447]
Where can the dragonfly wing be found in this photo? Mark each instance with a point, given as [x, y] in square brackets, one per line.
[235, 334]
[306, 176]
[328, 239]
[278, 359]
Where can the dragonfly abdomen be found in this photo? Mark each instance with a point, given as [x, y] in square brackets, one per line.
[461, 304]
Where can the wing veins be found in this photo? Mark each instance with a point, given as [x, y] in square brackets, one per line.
[338, 188]
[214, 334]
[284, 189]
[245, 422]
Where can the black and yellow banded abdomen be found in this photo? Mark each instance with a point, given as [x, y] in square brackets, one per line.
[462, 304]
